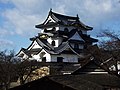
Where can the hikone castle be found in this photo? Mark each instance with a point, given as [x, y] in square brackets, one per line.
[62, 39]
[60, 48]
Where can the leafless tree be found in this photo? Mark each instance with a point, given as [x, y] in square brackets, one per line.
[7, 73]
[24, 69]
[111, 42]
[12, 68]
[111, 46]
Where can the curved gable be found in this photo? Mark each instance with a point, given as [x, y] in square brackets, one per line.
[34, 45]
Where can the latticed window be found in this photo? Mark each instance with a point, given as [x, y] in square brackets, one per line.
[76, 46]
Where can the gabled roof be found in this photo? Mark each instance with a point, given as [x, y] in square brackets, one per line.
[89, 68]
[65, 44]
[76, 36]
[60, 19]
[29, 52]
[31, 46]
[88, 38]
[57, 50]
[85, 37]
[21, 50]
[34, 51]
[91, 81]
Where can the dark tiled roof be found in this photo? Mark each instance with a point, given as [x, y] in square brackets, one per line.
[44, 83]
[66, 82]
[63, 68]
[76, 41]
[103, 79]
[85, 37]
[88, 80]
[50, 24]
[76, 82]
[34, 51]
[73, 82]
[63, 20]
[22, 49]
[63, 17]
[88, 39]
[31, 51]
[90, 66]
[70, 20]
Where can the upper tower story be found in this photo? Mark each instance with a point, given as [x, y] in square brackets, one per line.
[60, 28]
[58, 22]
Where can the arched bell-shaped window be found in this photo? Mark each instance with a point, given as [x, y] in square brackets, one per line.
[45, 30]
[66, 30]
[53, 29]
[53, 43]
[42, 56]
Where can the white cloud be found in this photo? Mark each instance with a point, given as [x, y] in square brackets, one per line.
[26, 13]
[101, 13]
[22, 23]
[20, 20]
[4, 1]
[26, 6]
[6, 44]
[4, 32]
[24, 16]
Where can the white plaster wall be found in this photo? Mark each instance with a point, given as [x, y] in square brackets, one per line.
[25, 56]
[42, 31]
[67, 57]
[50, 28]
[118, 65]
[57, 28]
[50, 20]
[49, 40]
[36, 57]
[58, 41]
[47, 55]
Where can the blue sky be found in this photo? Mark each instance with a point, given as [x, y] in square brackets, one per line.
[19, 17]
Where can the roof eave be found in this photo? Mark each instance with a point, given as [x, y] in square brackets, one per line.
[41, 26]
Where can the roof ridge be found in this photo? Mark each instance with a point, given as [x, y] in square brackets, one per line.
[63, 15]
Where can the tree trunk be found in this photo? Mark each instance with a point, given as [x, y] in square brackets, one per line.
[22, 80]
